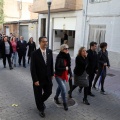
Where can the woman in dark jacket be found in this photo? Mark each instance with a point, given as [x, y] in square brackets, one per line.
[62, 69]
[80, 75]
[103, 62]
[32, 47]
[7, 51]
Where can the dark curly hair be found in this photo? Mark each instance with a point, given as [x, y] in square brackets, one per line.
[103, 44]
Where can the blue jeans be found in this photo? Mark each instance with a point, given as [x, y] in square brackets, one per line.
[14, 58]
[61, 89]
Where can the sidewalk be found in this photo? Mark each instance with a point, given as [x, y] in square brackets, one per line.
[16, 88]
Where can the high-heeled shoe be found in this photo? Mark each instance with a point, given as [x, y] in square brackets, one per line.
[69, 94]
[85, 101]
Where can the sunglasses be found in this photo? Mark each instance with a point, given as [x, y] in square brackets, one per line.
[66, 48]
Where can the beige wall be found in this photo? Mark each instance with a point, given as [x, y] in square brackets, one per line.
[57, 5]
[13, 12]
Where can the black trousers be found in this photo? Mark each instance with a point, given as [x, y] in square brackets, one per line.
[103, 76]
[85, 90]
[22, 57]
[91, 78]
[9, 60]
[41, 94]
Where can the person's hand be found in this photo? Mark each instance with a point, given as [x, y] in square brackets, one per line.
[66, 68]
[86, 54]
[37, 83]
[105, 64]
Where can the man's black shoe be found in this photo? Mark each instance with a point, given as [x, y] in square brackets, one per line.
[90, 94]
[42, 114]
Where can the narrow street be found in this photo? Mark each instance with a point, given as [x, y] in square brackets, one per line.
[16, 89]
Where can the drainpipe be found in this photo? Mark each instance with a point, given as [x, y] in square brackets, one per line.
[85, 24]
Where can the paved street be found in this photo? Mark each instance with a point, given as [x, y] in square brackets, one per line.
[16, 88]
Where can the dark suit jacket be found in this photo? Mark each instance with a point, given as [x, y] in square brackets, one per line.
[92, 61]
[39, 70]
[3, 48]
[22, 47]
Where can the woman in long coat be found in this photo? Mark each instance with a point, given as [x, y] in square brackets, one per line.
[32, 47]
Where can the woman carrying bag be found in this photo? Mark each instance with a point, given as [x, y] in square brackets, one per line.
[80, 75]
[103, 63]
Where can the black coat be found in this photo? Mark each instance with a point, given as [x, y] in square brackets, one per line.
[80, 65]
[21, 47]
[39, 70]
[103, 58]
[60, 66]
[92, 60]
[3, 48]
[32, 47]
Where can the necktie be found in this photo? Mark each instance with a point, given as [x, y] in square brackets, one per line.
[44, 57]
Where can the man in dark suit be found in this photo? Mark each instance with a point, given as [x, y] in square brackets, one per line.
[21, 48]
[42, 73]
[92, 65]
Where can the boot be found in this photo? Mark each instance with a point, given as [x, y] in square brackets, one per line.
[85, 101]
[57, 100]
[65, 106]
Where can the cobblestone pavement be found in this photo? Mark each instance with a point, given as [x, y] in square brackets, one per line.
[16, 88]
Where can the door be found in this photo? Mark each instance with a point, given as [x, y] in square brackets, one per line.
[24, 32]
[7, 31]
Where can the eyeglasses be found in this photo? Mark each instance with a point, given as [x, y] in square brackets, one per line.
[66, 48]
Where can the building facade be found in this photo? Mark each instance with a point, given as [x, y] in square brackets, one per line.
[19, 19]
[102, 24]
[83, 21]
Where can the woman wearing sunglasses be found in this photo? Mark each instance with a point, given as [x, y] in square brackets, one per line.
[62, 69]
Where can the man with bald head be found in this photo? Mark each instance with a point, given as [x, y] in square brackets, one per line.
[22, 47]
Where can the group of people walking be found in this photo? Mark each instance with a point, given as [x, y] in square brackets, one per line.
[10, 48]
[88, 66]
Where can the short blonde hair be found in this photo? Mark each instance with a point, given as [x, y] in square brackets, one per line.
[63, 46]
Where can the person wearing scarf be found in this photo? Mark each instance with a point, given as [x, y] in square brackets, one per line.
[62, 69]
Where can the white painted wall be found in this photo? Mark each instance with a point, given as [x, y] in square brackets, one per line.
[107, 13]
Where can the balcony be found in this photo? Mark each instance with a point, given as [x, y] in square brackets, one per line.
[40, 6]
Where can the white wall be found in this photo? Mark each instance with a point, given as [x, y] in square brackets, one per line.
[110, 8]
[107, 13]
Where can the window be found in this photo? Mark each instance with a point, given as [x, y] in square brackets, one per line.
[98, 1]
[97, 33]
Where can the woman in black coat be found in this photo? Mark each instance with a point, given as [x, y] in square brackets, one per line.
[80, 75]
[7, 51]
[62, 70]
[103, 62]
[32, 47]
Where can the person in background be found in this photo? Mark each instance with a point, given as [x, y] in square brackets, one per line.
[42, 74]
[103, 62]
[80, 75]
[32, 47]
[10, 37]
[62, 69]
[14, 47]
[7, 51]
[21, 48]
